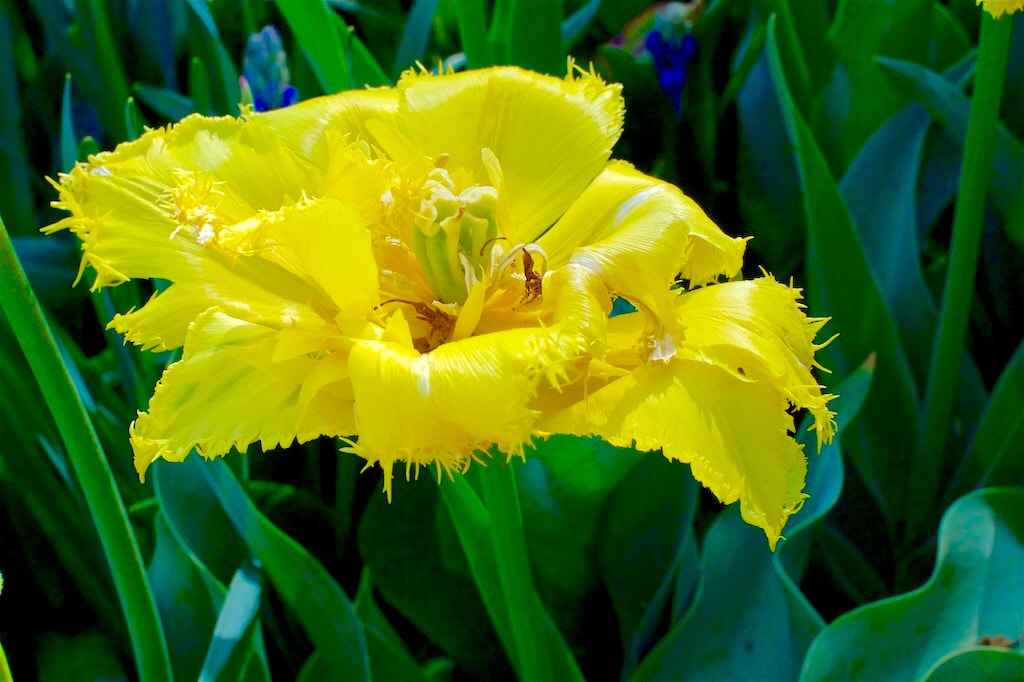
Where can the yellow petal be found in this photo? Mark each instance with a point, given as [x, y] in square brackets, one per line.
[638, 234]
[550, 136]
[252, 290]
[733, 431]
[304, 127]
[325, 242]
[123, 202]
[225, 392]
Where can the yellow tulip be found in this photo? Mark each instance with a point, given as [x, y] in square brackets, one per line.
[429, 270]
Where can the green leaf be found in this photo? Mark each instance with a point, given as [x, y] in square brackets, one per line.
[303, 583]
[563, 485]
[187, 607]
[880, 190]
[133, 121]
[769, 188]
[415, 35]
[528, 34]
[575, 25]
[199, 86]
[842, 285]
[748, 613]
[389, 656]
[419, 568]
[539, 648]
[236, 623]
[983, 663]
[313, 24]
[976, 591]
[951, 108]
[471, 22]
[68, 141]
[996, 455]
[15, 168]
[172, 105]
[646, 528]
[226, 74]
[214, 545]
[105, 505]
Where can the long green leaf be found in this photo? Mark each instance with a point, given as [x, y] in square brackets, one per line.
[106, 508]
[991, 663]
[322, 607]
[415, 35]
[313, 24]
[528, 34]
[234, 623]
[996, 455]
[843, 286]
[68, 141]
[472, 25]
[950, 107]
[419, 568]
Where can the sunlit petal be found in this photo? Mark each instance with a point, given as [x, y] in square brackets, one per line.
[638, 234]
[551, 136]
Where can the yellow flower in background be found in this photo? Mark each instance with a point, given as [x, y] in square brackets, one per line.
[429, 269]
[998, 8]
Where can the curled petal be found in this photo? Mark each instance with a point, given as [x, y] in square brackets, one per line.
[638, 234]
[758, 327]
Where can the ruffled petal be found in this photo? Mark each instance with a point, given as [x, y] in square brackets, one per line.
[639, 234]
[732, 430]
[227, 392]
[550, 136]
[148, 208]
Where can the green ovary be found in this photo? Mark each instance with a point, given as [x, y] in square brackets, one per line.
[454, 234]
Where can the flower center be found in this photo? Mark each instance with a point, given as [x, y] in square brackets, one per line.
[454, 233]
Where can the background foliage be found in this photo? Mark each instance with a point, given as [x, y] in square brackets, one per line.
[831, 130]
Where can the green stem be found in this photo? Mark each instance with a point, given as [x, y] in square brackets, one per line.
[492, 538]
[108, 513]
[502, 500]
[979, 149]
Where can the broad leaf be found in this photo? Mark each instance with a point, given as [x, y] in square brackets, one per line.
[976, 591]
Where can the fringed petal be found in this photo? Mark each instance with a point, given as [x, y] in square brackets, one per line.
[734, 432]
[227, 392]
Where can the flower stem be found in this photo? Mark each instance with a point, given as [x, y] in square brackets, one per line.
[495, 546]
[108, 513]
[502, 500]
[979, 149]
